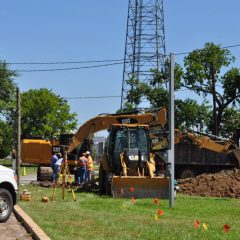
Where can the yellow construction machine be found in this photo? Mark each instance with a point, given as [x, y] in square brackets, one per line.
[128, 162]
[128, 165]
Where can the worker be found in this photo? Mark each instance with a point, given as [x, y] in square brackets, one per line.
[81, 171]
[56, 167]
[89, 166]
[53, 161]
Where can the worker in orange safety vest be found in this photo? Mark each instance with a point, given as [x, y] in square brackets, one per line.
[89, 166]
[82, 169]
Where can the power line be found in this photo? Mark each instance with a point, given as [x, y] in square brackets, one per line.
[67, 69]
[91, 97]
[104, 97]
[112, 62]
[61, 62]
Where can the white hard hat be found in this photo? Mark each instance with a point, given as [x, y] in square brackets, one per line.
[87, 152]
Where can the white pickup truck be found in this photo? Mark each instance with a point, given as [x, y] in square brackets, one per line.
[8, 192]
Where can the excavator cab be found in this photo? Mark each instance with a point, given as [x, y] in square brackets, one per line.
[130, 142]
[126, 164]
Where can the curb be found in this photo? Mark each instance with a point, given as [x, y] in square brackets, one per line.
[29, 224]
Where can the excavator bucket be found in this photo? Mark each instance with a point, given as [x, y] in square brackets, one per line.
[140, 187]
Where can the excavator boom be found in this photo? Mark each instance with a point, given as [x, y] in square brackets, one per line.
[103, 122]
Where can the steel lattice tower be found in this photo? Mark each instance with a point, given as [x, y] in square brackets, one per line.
[145, 42]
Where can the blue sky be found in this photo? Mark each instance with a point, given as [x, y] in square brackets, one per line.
[77, 30]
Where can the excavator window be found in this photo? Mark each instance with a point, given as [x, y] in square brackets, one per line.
[127, 138]
[121, 140]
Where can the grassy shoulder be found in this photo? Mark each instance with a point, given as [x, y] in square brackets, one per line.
[97, 217]
[29, 168]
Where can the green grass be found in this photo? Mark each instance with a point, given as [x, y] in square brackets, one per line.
[95, 217]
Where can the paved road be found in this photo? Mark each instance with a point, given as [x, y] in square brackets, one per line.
[28, 178]
[13, 230]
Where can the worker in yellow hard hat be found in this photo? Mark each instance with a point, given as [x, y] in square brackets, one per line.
[89, 166]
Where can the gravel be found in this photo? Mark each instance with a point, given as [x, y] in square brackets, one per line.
[13, 230]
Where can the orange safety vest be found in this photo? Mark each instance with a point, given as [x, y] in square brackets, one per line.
[90, 163]
[82, 162]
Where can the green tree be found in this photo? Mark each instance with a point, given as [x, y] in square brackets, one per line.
[45, 113]
[155, 91]
[137, 90]
[230, 122]
[7, 88]
[191, 115]
[7, 108]
[204, 76]
[6, 139]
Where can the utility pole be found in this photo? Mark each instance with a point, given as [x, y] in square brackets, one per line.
[145, 43]
[171, 154]
[18, 135]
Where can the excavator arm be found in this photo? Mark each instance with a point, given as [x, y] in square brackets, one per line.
[103, 122]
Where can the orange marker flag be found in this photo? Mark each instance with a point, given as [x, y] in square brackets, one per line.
[156, 200]
[226, 228]
[196, 224]
[133, 200]
[131, 189]
[160, 212]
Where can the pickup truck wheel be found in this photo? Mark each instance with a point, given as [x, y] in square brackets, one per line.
[6, 204]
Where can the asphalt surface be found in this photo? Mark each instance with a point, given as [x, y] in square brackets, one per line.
[28, 178]
[13, 230]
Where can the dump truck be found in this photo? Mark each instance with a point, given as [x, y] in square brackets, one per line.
[198, 152]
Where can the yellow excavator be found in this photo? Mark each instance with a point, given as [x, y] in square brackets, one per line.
[127, 167]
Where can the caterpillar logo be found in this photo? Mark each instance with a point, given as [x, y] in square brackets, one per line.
[133, 157]
[126, 120]
[56, 149]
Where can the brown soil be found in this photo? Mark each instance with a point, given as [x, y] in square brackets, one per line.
[223, 184]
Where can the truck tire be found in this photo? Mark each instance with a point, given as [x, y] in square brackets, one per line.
[6, 204]
[44, 174]
[187, 173]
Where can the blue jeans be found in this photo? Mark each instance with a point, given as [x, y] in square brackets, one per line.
[88, 175]
[56, 169]
[81, 172]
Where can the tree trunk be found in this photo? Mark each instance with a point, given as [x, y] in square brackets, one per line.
[215, 125]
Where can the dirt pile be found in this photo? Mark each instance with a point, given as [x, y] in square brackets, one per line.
[223, 184]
